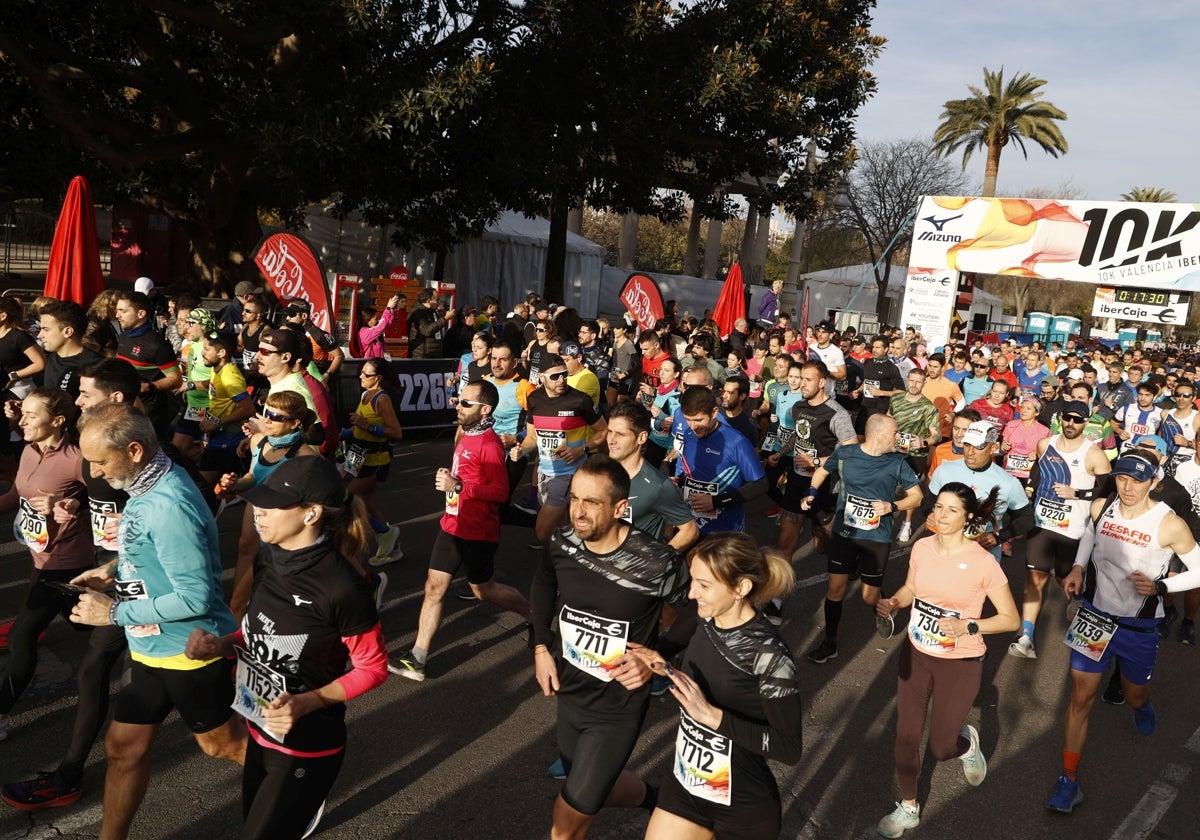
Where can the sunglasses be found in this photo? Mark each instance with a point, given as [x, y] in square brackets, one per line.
[1184, 396]
[556, 377]
[275, 416]
[1073, 418]
[539, 329]
[263, 351]
[465, 403]
[365, 375]
[980, 367]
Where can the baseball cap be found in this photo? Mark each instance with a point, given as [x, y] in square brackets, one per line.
[143, 285]
[1154, 440]
[247, 288]
[1075, 375]
[204, 318]
[981, 433]
[1077, 407]
[1051, 382]
[824, 326]
[1136, 467]
[283, 340]
[858, 339]
[570, 348]
[299, 306]
[299, 481]
[550, 361]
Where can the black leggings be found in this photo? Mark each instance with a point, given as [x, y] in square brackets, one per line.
[42, 604]
[281, 793]
[105, 648]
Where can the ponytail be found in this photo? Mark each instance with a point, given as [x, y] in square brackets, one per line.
[350, 527]
[733, 557]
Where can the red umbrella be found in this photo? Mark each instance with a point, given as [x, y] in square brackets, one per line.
[731, 305]
[74, 270]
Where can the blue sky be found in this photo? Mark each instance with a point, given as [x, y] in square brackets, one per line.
[1125, 73]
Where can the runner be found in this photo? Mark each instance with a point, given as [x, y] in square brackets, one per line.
[952, 449]
[1134, 419]
[783, 422]
[664, 402]
[1127, 532]
[374, 427]
[995, 407]
[881, 382]
[919, 423]
[152, 358]
[941, 661]
[229, 405]
[1063, 481]
[1179, 425]
[560, 420]
[63, 327]
[193, 325]
[826, 351]
[862, 525]
[311, 615]
[606, 583]
[475, 485]
[738, 697]
[168, 539]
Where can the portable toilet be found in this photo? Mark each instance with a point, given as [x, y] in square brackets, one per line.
[1066, 326]
[1126, 338]
[1153, 338]
[1038, 323]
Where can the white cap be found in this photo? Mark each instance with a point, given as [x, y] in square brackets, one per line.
[143, 285]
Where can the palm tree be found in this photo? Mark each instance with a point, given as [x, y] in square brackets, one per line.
[1153, 195]
[999, 114]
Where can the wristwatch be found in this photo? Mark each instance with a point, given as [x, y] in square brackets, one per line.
[458, 485]
[816, 462]
[972, 627]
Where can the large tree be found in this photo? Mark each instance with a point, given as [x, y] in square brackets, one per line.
[885, 189]
[1154, 195]
[996, 115]
[211, 112]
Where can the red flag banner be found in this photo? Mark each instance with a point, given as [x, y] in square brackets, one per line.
[802, 327]
[293, 270]
[643, 300]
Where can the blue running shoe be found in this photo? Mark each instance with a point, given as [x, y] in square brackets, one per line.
[659, 685]
[1066, 795]
[1144, 719]
[557, 770]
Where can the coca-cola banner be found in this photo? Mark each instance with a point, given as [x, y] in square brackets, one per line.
[293, 271]
[643, 300]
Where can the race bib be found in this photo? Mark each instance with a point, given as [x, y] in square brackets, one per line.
[923, 627]
[193, 413]
[452, 502]
[1019, 463]
[354, 460]
[860, 513]
[772, 443]
[591, 643]
[691, 487]
[677, 444]
[703, 761]
[32, 529]
[799, 469]
[1089, 634]
[1181, 456]
[906, 443]
[870, 386]
[100, 514]
[549, 440]
[257, 687]
[248, 359]
[1052, 515]
[135, 590]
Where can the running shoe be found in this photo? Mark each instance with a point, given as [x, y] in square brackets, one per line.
[974, 763]
[557, 770]
[1114, 694]
[773, 613]
[1164, 623]
[46, 790]
[406, 665]
[905, 532]
[773, 512]
[1187, 632]
[659, 685]
[465, 593]
[389, 545]
[314, 822]
[1022, 648]
[1145, 719]
[900, 820]
[885, 625]
[823, 652]
[526, 507]
[1066, 795]
[380, 580]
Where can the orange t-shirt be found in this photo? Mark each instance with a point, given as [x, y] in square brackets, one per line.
[944, 395]
[958, 583]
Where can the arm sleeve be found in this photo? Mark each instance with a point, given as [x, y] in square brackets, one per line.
[368, 662]
[780, 739]
[1020, 520]
[542, 597]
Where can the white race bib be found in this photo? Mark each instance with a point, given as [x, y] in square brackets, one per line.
[703, 761]
[135, 590]
[1052, 515]
[354, 460]
[257, 687]
[193, 413]
[691, 487]
[923, 627]
[32, 529]
[100, 514]
[591, 643]
[860, 513]
[549, 440]
[1019, 463]
[1090, 634]
[811, 452]
[772, 443]
[906, 443]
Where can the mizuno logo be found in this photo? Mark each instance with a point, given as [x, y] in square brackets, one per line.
[300, 600]
[939, 223]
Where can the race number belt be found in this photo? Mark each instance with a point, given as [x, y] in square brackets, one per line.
[1090, 633]
[703, 761]
[923, 628]
[591, 643]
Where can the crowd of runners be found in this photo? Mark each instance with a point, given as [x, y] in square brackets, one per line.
[134, 423]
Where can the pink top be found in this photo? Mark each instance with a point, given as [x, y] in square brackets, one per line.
[957, 582]
[370, 339]
[57, 471]
[1024, 440]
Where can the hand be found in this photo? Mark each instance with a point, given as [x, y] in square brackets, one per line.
[1064, 491]
[886, 606]
[393, 301]
[203, 645]
[207, 424]
[632, 672]
[254, 426]
[806, 503]
[1143, 584]
[243, 447]
[773, 458]
[449, 316]
[358, 421]
[43, 502]
[286, 709]
[444, 481]
[1005, 447]
[702, 503]
[666, 425]
[650, 657]
[99, 578]
[1073, 583]
[882, 508]
[952, 627]
[12, 409]
[91, 609]
[226, 484]
[545, 671]
[65, 510]
[569, 454]
[684, 689]
[987, 540]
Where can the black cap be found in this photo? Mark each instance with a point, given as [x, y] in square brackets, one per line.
[299, 306]
[570, 348]
[549, 361]
[824, 326]
[299, 481]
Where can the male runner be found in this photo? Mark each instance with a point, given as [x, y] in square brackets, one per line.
[920, 425]
[881, 382]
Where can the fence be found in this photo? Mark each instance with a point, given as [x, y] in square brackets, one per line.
[29, 232]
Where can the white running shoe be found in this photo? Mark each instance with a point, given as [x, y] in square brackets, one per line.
[974, 764]
[1022, 648]
[388, 543]
[900, 820]
[905, 532]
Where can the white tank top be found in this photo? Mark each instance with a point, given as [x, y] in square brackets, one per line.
[1051, 512]
[1125, 546]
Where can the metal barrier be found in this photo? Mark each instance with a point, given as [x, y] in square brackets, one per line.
[28, 235]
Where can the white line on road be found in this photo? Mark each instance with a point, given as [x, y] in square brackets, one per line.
[1153, 805]
[1193, 743]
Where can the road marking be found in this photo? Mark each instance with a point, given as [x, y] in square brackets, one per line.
[812, 581]
[1153, 805]
[1193, 743]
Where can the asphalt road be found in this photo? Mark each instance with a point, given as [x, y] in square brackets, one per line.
[464, 754]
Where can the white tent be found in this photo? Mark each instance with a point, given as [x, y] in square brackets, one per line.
[509, 261]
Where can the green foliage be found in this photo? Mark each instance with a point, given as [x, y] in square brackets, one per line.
[1156, 195]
